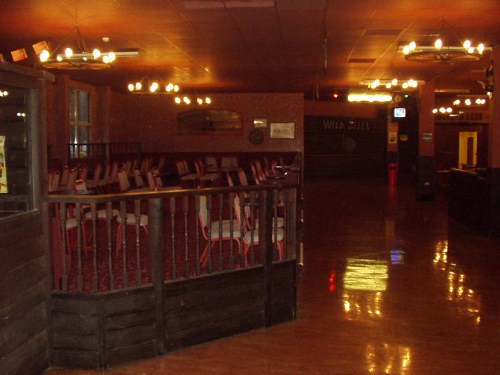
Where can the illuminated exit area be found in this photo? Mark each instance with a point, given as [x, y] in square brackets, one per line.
[467, 150]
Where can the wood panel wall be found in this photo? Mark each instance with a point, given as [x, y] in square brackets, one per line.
[24, 288]
[107, 329]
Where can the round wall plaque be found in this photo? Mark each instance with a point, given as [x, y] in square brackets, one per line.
[256, 136]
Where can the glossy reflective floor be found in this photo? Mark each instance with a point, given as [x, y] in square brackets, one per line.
[388, 286]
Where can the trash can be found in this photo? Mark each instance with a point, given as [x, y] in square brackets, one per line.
[393, 174]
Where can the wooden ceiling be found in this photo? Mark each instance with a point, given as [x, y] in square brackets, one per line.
[309, 46]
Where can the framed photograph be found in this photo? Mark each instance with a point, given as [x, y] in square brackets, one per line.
[283, 130]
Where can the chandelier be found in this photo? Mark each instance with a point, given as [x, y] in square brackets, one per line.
[441, 53]
[83, 59]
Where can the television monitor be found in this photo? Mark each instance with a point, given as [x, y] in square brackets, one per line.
[399, 112]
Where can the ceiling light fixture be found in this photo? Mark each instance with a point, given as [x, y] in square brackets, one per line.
[369, 97]
[441, 53]
[145, 86]
[390, 84]
[82, 60]
[187, 100]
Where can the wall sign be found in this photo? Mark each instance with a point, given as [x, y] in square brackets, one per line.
[285, 130]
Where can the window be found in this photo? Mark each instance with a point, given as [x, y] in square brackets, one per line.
[80, 121]
[16, 167]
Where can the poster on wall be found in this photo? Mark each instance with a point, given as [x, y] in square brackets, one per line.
[284, 130]
[3, 168]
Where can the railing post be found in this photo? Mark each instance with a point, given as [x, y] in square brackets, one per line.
[266, 249]
[156, 250]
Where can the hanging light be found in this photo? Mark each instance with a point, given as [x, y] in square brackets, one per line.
[83, 60]
[441, 53]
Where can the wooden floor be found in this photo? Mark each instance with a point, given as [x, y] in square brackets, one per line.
[388, 286]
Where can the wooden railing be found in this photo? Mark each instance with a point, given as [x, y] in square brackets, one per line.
[163, 239]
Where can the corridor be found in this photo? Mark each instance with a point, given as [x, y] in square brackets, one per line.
[388, 286]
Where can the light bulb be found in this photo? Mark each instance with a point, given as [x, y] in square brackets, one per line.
[153, 87]
[388, 85]
[412, 45]
[59, 58]
[470, 50]
[438, 43]
[138, 86]
[169, 87]
[131, 87]
[199, 100]
[478, 101]
[456, 102]
[405, 85]
[177, 100]
[406, 50]
[434, 110]
[105, 59]
[68, 52]
[467, 102]
[467, 44]
[449, 110]
[44, 56]
[96, 53]
[176, 88]
[480, 48]
[442, 110]
[208, 100]
[394, 81]
[111, 56]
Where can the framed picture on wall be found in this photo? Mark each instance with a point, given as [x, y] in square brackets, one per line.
[283, 130]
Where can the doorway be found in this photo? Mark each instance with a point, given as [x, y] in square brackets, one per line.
[467, 150]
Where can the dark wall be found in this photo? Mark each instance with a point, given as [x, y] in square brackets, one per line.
[343, 141]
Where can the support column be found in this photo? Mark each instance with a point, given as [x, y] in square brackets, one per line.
[426, 165]
[494, 149]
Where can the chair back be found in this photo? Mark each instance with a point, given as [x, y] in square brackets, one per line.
[127, 167]
[200, 169]
[255, 174]
[182, 167]
[71, 179]
[123, 181]
[138, 180]
[83, 173]
[161, 163]
[259, 170]
[53, 180]
[230, 181]
[242, 177]
[64, 177]
[114, 172]
[211, 162]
